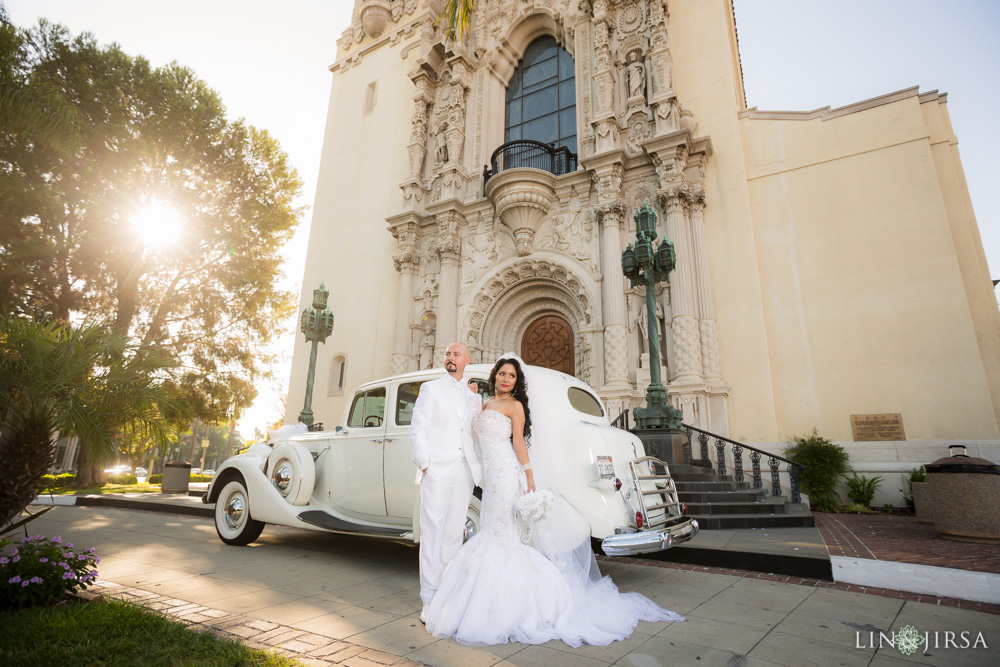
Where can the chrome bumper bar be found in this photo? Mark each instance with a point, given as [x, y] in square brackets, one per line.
[648, 541]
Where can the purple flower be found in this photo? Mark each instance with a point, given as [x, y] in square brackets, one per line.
[57, 539]
[4, 560]
[36, 580]
[92, 550]
[24, 583]
[69, 545]
[65, 566]
[69, 575]
[70, 554]
[43, 560]
[25, 539]
[13, 580]
[97, 560]
[82, 557]
[15, 559]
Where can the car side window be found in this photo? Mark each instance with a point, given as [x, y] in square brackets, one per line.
[585, 402]
[406, 398]
[368, 409]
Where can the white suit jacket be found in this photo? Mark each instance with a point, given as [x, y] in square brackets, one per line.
[441, 428]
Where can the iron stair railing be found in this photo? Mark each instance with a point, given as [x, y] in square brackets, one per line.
[725, 446]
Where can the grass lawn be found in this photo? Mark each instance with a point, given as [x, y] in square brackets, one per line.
[112, 633]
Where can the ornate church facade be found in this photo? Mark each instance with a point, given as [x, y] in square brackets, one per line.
[828, 262]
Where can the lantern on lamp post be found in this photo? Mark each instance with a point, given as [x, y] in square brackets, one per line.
[647, 265]
[317, 325]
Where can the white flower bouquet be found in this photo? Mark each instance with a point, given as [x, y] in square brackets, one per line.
[532, 507]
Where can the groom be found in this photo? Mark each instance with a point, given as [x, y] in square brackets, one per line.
[448, 467]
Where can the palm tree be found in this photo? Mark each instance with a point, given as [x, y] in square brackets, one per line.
[57, 380]
[456, 14]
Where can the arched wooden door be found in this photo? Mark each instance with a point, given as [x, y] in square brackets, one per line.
[548, 342]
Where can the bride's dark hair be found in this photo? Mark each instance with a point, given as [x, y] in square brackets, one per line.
[520, 391]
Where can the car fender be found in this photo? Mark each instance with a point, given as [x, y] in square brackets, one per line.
[266, 504]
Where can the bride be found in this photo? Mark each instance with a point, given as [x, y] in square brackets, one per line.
[529, 583]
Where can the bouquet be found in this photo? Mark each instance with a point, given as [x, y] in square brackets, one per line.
[532, 507]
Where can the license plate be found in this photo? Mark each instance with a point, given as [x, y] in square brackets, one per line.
[604, 467]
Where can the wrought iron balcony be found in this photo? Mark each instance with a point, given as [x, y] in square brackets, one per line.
[530, 153]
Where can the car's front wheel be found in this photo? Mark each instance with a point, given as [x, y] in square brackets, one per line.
[232, 515]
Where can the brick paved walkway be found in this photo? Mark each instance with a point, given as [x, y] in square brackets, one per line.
[904, 540]
[305, 647]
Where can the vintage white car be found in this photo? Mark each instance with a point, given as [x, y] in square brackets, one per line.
[359, 479]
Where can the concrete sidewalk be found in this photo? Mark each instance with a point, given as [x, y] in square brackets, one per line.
[331, 599]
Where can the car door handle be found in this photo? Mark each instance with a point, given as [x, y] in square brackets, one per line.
[377, 439]
[387, 439]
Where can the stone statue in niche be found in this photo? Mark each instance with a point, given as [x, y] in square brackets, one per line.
[636, 75]
[427, 349]
[441, 145]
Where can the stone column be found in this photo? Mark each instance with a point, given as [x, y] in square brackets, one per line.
[707, 334]
[449, 250]
[613, 298]
[683, 283]
[406, 262]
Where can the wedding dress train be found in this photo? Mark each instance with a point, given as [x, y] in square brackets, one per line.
[499, 589]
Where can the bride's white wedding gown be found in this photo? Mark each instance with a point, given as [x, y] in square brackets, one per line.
[498, 589]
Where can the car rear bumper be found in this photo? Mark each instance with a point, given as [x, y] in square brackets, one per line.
[648, 541]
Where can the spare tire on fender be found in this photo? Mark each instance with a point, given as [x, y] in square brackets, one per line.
[291, 472]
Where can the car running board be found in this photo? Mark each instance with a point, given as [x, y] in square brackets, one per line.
[329, 522]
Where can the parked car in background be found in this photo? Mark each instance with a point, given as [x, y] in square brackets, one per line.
[208, 473]
[118, 470]
[359, 478]
[141, 472]
[195, 471]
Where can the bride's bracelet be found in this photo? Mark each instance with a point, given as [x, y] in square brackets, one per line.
[526, 466]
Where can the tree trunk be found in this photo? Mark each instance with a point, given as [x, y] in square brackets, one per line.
[88, 470]
[25, 456]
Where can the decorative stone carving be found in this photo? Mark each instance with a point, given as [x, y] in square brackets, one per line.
[522, 199]
[636, 74]
[375, 16]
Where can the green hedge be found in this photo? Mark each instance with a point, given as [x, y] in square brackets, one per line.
[155, 479]
[121, 479]
[57, 481]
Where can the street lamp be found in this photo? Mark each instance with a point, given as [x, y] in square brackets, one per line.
[646, 265]
[317, 325]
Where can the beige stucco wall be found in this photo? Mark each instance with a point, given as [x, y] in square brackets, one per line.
[864, 287]
[363, 162]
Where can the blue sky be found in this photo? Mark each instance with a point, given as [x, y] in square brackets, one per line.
[269, 63]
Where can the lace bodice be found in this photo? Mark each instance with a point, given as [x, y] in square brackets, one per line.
[501, 474]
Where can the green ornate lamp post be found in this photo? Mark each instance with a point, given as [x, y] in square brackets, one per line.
[646, 265]
[317, 325]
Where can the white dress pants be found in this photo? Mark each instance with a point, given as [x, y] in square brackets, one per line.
[444, 498]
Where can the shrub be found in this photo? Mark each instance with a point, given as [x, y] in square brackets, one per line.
[56, 481]
[156, 479]
[857, 508]
[200, 478]
[39, 570]
[824, 463]
[915, 475]
[126, 478]
[862, 489]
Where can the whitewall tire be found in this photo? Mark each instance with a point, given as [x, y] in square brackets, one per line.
[232, 515]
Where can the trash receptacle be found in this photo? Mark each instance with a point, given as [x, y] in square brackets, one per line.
[176, 477]
[964, 494]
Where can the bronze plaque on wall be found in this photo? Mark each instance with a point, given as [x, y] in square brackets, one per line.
[877, 427]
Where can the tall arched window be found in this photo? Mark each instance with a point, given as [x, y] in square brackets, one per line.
[541, 96]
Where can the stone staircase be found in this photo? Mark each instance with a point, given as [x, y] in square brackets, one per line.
[719, 503]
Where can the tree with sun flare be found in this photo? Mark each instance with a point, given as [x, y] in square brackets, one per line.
[162, 215]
